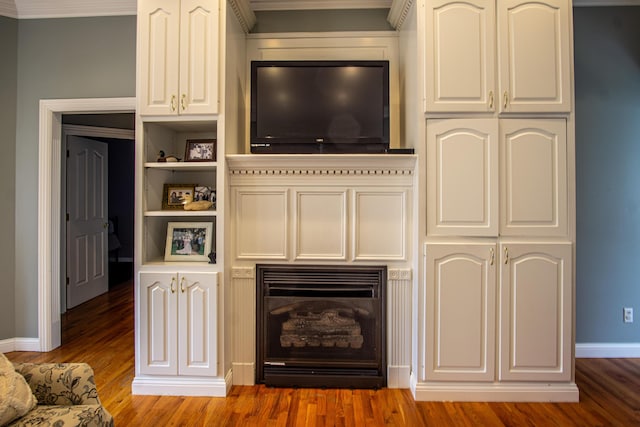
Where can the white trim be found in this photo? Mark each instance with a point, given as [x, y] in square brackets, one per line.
[19, 344]
[8, 8]
[607, 350]
[32, 9]
[49, 193]
[493, 392]
[181, 386]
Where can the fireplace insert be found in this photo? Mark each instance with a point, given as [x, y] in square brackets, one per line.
[321, 326]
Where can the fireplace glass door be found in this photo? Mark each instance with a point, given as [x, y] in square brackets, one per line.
[321, 326]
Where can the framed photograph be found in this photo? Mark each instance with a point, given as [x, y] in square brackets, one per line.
[188, 241]
[200, 150]
[205, 193]
[175, 196]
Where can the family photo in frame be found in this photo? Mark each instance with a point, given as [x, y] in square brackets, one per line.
[200, 150]
[175, 196]
[188, 241]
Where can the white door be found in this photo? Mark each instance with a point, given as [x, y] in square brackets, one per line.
[159, 32]
[462, 177]
[533, 156]
[461, 286]
[199, 29]
[460, 55]
[158, 332]
[197, 324]
[534, 50]
[535, 312]
[87, 225]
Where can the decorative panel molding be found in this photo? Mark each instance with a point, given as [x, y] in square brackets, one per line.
[399, 315]
[380, 223]
[261, 224]
[243, 324]
[320, 225]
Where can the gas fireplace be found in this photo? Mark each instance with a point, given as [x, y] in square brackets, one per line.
[321, 326]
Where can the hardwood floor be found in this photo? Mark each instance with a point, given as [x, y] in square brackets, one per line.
[100, 332]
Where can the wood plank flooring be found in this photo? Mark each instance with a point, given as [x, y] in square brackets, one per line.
[100, 332]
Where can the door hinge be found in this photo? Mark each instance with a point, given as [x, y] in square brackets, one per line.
[67, 216]
[67, 153]
[67, 281]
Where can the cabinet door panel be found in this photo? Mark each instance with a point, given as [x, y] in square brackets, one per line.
[534, 177]
[198, 324]
[534, 55]
[158, 324]
[199, 57]
[461, 281]
[462, 177]
[460, 49]
[158, 35]
[535, 305]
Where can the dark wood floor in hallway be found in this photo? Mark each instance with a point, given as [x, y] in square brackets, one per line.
[100, 332]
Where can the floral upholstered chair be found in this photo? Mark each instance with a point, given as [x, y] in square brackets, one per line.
[66, 395]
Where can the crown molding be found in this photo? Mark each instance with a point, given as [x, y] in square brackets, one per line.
[593, 3]
[8, 8]
[318, 4]
[243, 12]
[36, 9]
[398, 12]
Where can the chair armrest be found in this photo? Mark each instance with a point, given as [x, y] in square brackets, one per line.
[60, 383]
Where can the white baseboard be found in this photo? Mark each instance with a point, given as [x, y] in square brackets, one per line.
[398, 376]
[607, 350]
[181, 386]
[19, 344]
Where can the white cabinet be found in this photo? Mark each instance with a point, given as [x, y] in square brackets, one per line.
[178, 57]
[462, 177]
[529, 42]
[529, 304]
[466, 187]
[461, 300]
[535, 312]
[178, 323]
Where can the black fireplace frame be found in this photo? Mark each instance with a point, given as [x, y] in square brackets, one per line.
[309, 374]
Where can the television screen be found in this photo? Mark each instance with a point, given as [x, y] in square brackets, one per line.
[319, 106]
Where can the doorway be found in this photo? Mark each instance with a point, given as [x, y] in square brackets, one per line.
[112, 217]
[50, 271]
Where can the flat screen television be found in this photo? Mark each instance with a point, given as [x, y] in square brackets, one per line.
[300, 107]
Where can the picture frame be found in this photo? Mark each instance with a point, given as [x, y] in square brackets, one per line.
[175, 196]
[205, 193]
[188, 241]
[200, 150]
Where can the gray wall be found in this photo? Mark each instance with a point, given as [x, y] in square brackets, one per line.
[322, 21]
[58, 58]
[8, 84]
[607, 78]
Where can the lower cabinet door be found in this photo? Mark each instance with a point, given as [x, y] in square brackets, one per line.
[158, 327]
[178, 323]
[460, 299]
[535, 312]
[197, 325]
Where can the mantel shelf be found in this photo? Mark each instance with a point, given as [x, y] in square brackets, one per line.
[171, 213]
[192, 166]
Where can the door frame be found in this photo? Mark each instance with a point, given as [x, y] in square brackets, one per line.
[49, 204]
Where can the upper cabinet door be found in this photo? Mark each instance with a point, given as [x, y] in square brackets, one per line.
[534, 55]
[158, 36]
[178, 57]
[462, 177]
[460, 56]
[534, 177]
[199, 57]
